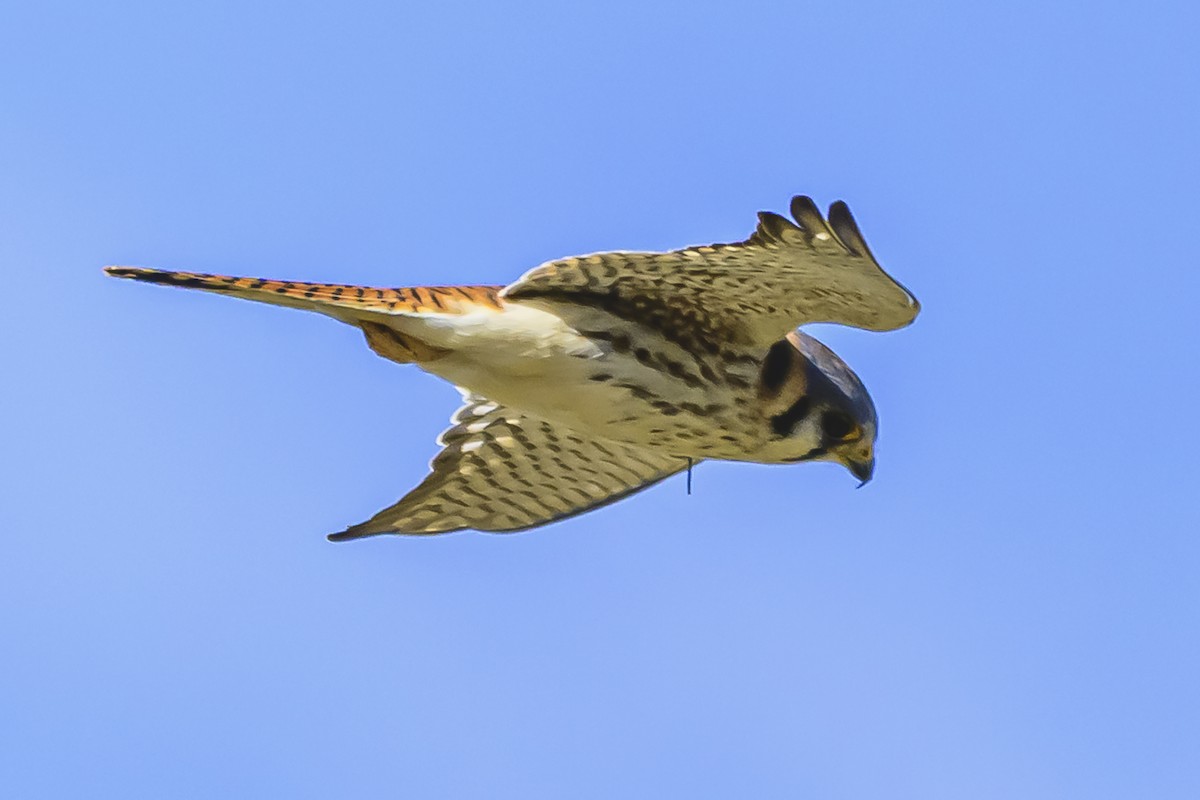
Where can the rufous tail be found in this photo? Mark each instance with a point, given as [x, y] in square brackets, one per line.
[353, 304]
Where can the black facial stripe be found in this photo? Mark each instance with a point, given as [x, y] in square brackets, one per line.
[783, 423]
[777, 365]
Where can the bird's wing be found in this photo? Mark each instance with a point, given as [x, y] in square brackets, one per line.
[788, 273]
[502, 471]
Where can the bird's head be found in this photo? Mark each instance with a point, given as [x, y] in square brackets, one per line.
[816, 407]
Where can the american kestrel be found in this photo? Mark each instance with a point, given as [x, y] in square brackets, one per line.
[591, 378]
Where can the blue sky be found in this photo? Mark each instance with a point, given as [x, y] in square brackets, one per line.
[1009, 610]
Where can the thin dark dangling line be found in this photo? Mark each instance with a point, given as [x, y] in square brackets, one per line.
[689, 479]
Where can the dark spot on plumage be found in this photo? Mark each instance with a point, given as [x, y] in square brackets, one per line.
[777, 365]
[582, 494]
[621, 343]
[642, 355]
[522, 439]
[784, 423]
[604, 449]
[639, 392]
[310, 293]
[600, 377]
[466, 488]
[735, 357]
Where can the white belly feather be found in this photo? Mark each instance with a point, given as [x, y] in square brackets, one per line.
[538, 362]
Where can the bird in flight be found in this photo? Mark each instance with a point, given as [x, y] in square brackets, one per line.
[591, 378]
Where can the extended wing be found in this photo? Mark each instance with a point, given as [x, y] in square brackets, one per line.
[786, 274]
[501, 471]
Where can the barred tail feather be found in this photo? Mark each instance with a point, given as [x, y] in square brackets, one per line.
[345, 302]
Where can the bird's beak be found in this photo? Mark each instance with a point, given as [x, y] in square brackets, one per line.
[863, 470]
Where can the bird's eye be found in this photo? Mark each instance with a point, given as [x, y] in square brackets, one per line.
[837, 425]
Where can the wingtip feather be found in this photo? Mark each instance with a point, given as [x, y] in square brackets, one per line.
[808, 216]
[355, 532]
[846, 229]
[117, 271]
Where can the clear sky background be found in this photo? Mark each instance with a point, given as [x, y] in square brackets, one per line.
[1010, 610]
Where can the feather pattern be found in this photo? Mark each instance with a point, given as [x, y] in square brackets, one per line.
[789, 272]
[502, 471]
[339, 300]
